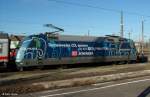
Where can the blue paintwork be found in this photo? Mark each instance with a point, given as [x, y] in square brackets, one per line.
[60, 49]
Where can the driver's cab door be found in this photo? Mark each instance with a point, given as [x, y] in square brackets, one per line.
[39, 50]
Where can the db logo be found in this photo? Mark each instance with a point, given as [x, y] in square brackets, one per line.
[74, 53]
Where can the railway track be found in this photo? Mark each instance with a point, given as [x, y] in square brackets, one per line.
[59, 74]
[17, 81]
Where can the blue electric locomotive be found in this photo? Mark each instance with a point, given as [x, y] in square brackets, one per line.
[52, 49]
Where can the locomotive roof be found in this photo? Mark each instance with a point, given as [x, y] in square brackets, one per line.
[85, 38]
[79, 38]
[3, 35]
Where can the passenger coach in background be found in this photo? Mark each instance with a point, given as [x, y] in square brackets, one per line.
[4, 50]
[8, 48]
[54, 49]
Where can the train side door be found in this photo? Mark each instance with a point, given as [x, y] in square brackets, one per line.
[39, 51]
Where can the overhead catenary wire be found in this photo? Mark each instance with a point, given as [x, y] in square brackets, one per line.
[102, 8]
[85, 5]
[80, 5]
[98, 7]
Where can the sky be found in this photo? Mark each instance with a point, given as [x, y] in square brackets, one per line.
[76, 17]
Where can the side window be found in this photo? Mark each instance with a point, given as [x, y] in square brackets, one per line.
[1, 47]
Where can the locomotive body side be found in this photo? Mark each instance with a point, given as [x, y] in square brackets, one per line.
[39, 50]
